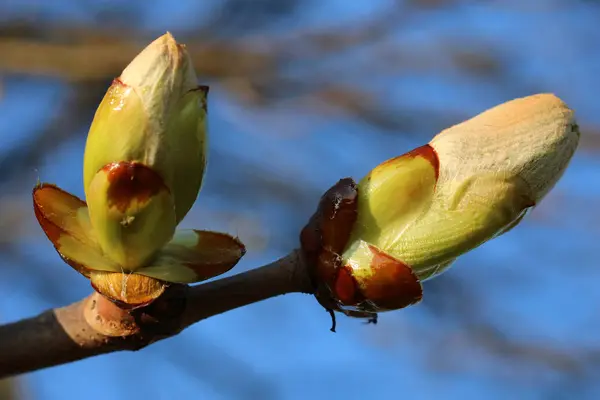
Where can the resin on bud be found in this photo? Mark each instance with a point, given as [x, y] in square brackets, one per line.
[144, 162]
[413, 215]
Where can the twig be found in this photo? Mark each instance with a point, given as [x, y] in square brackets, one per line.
[96, 326]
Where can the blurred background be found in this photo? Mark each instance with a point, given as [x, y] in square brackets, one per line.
[304, 93]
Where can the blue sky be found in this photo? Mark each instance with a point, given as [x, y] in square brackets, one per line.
[537, 284]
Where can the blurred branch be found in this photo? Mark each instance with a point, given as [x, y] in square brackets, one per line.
[590, 141]
[257, 68]
[85, 61]
[65, 125]
[96, 326]
[7, 389]
[215, 366]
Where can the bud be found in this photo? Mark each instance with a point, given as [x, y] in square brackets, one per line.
[416, 213]
[128, 291]
[143, 167]
[152, 116]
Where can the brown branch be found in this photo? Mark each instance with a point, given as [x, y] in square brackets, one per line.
[99, 61]
[96, 326]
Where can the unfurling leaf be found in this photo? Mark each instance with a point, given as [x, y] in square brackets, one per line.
[194, 256]
[65, 220]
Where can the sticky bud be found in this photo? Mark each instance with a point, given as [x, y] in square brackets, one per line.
[416, 213]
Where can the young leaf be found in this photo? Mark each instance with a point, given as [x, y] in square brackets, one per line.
[194, 256]
[64, 218]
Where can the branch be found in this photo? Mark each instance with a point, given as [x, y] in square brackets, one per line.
[96, 326]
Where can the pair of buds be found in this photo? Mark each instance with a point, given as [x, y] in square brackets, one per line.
[368, 246]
